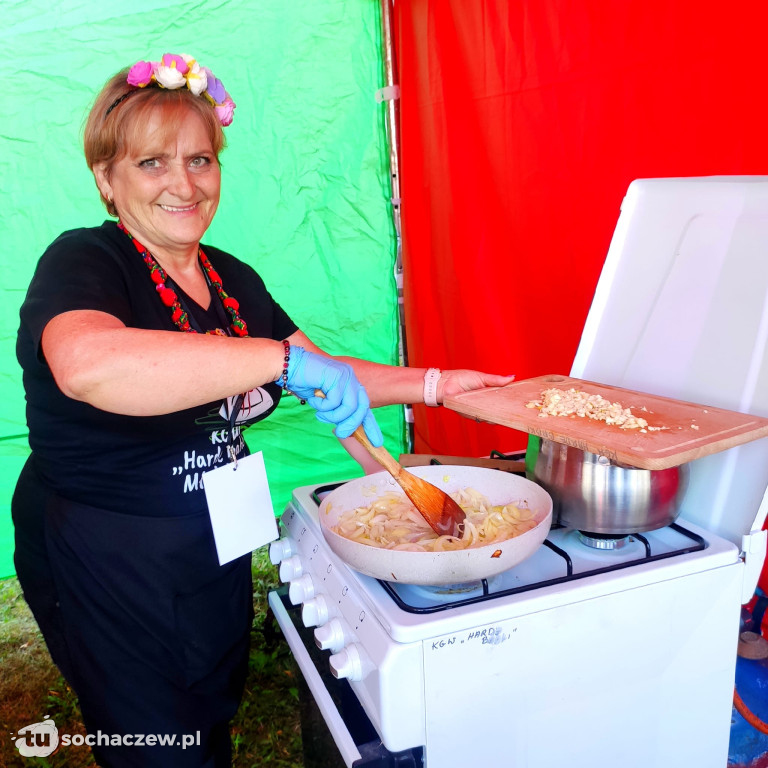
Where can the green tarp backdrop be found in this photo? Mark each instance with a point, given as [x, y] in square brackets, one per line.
[305, 190]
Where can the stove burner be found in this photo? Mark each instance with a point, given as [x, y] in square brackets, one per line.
[571, 557]
[448, 590]
[611, 541]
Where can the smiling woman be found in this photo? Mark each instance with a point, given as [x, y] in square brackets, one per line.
[137, 359]
[155, 161]
[166, 192]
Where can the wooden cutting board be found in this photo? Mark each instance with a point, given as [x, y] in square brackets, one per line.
[691, 430]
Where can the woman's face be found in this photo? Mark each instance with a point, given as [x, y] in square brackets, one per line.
[166, 191]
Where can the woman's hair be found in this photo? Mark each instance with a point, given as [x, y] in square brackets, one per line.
[113, 129]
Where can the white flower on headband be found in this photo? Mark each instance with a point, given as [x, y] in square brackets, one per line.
[169, 74]
[175, 71]
[197, 80]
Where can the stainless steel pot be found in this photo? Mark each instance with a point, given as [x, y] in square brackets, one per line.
[591, 493]
[433, 568]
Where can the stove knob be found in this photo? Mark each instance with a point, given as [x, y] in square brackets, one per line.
[314, 613]
[280, 549]
[348, 663]
[331, 636]
[290, 569]
[300, 590]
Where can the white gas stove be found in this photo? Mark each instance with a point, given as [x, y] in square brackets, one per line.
[466, 674]
[580, 656]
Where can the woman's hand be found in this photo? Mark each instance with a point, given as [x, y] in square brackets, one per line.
[456, 381]
[346, 402]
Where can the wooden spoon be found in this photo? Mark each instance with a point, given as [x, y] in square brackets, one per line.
[444, 515]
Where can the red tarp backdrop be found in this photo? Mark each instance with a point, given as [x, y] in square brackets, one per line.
[522, 125]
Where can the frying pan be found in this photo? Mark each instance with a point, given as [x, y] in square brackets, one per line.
[435, 568]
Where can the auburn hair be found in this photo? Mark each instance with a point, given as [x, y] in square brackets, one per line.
[111, 134]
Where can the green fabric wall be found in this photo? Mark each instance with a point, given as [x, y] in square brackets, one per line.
[305, 196]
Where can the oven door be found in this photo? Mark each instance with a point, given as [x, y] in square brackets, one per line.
[335, 730]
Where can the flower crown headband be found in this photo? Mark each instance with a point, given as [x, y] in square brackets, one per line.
[176, 71]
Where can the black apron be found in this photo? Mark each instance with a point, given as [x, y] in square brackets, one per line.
[145, 625]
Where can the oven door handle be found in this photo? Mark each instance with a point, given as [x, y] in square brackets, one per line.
[341, 735]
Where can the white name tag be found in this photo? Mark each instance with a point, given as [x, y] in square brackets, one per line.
[240, 507]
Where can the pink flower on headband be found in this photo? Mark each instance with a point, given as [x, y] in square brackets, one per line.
[174, 61]
[141, 73]
[226, 111]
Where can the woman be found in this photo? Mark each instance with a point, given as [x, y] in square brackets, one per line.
[134, 354]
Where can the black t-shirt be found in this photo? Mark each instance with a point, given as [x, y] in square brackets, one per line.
[145, 465]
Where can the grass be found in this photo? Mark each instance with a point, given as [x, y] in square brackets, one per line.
[266, 730]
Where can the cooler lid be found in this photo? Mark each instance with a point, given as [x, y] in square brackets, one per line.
[681, 310]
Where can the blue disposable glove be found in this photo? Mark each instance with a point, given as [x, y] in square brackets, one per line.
[346, 402]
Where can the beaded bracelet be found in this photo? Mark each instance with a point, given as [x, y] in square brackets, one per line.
[283, 380]
[287, 358]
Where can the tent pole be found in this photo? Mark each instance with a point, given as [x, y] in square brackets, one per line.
[391, 95]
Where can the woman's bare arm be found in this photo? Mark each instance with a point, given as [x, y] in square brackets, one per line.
[95, 358]
[396, 384]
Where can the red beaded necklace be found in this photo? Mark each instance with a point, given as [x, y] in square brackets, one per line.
[171, 300]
